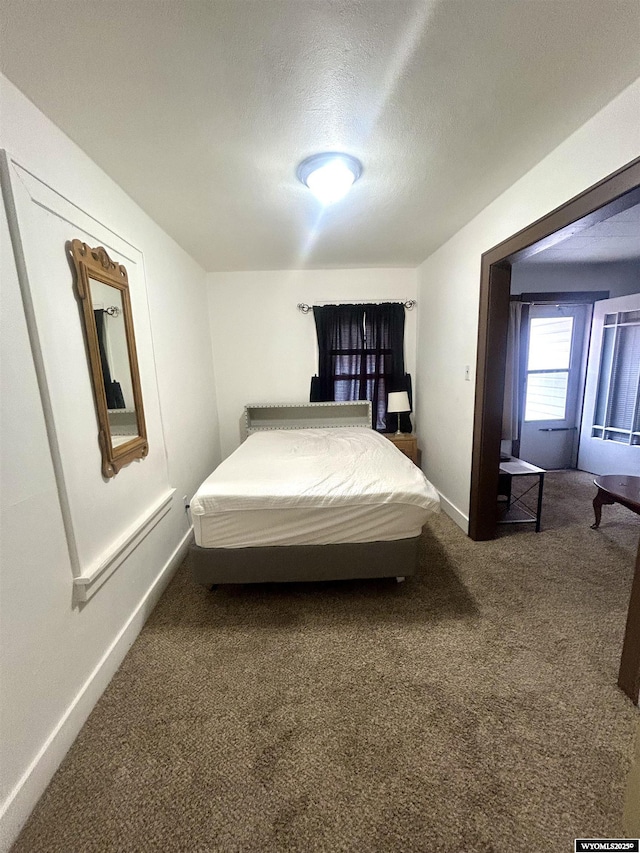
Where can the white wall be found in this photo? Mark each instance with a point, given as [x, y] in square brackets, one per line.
[56, 657]
[449, 284]
[265, 350]
[620, 279]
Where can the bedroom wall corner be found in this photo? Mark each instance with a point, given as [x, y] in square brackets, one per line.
[449, 285]
[265, 350]
[70, 652]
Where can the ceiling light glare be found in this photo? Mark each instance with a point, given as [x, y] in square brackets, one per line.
[329, 176]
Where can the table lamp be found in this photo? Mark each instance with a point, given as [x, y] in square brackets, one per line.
[398, 403]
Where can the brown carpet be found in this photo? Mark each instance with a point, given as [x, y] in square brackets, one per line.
[473, 708]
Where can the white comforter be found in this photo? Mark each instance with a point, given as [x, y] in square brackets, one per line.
[345, 472]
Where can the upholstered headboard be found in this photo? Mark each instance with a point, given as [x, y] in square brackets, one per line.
[307, 415]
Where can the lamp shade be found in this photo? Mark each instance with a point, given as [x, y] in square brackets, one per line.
[398, 402]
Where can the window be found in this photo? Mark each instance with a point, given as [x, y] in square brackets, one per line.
[617, 409]
[360, 350]
[548, 368]
[364, 373]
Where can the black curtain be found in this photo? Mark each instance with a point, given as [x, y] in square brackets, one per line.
[112, 390]
[361, 357]
[341, 369]
[384, 327]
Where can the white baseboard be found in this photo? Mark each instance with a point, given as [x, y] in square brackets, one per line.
[454, 513]
[22, 800]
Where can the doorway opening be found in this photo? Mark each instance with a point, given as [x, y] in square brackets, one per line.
[617, 193]
[552, 384]
[548, 389]
[573, 351]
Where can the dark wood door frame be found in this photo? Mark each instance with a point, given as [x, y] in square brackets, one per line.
[616, 193]
[629, 675]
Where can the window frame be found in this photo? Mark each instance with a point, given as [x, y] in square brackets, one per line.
[548, 370]
[602, 431]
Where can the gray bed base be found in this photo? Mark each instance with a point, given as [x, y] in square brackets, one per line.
[275, 564]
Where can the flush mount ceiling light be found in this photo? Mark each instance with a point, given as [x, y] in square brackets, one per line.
[329, 176]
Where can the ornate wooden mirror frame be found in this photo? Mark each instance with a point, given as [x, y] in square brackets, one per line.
[118, 403]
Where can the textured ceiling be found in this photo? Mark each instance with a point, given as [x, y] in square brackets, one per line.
[612, 240]
[202, 109]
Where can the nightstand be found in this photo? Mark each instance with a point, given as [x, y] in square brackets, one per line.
[407, 443]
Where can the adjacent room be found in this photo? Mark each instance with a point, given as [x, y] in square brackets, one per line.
[271, 338]
[573, 350]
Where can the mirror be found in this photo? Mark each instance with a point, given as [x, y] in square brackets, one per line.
[103, 289]
[114, 361]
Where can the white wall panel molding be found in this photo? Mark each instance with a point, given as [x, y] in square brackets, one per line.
[45, 196]
[97, 514]
[92, 578]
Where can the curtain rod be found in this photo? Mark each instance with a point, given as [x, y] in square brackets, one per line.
[553, 304]
[408, 303]
[556, 302]
[112, 310]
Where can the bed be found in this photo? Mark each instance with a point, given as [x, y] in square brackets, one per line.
[313, 493]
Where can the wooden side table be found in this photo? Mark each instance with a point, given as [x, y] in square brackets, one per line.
[407, 443]
[519, 468]
[616, 488]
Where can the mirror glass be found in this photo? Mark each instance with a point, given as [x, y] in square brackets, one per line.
[115, 361]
